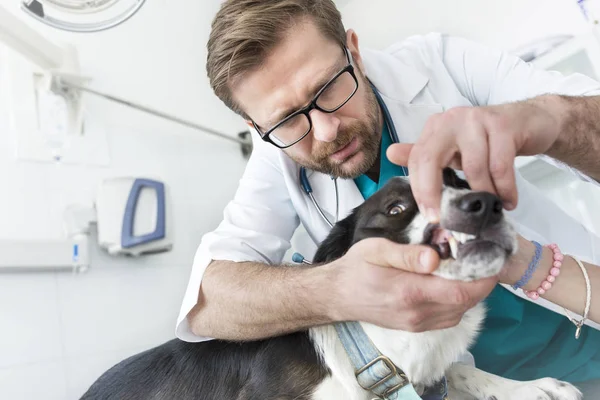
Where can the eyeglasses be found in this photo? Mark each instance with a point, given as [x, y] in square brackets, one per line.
[332, 96]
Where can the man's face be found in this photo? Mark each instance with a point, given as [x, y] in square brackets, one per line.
[344, 143]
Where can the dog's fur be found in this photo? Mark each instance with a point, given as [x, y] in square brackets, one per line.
[312, 365]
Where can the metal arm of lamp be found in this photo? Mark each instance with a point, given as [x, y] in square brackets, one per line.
[60, 68]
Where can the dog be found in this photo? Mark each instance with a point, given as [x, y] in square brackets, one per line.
[474, 239]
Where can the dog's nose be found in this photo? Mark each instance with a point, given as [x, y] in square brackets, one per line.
[484, 208]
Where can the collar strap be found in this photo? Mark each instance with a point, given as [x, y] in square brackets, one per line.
[374, 372]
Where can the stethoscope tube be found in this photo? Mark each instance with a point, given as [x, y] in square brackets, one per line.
[337, 203]
[308, 190]
[386, 116]
[320, 211]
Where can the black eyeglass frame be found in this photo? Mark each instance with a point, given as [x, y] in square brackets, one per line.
[266, 136]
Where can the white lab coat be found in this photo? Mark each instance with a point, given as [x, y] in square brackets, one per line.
[418, 77]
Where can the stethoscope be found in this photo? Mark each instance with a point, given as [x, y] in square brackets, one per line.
[307, 188]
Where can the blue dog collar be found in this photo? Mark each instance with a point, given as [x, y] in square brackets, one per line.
[377, 373]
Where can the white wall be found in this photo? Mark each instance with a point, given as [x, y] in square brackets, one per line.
[59, 331]
[505, 24]
[578, 198]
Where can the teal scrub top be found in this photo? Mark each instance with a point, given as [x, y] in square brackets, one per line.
[520, 340]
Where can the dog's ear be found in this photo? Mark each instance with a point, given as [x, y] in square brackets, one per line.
[337, 243]
[452, 180]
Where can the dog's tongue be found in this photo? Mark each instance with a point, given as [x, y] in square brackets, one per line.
[440, 235]
[443, 250]
[440, 242]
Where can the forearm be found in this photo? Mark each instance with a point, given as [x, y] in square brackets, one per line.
[247, 301]
[578, 143]
[569, 289]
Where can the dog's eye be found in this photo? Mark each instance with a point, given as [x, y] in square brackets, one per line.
[396, 209]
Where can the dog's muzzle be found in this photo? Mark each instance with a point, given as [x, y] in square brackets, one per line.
[468, 221]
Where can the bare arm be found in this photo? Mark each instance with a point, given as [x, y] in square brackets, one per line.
[568, 291]
[578, 143]
[246, 301]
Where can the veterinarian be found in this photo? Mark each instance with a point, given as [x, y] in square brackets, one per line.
[460, 104]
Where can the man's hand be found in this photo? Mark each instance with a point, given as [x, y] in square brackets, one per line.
[389, 285]
[481, 141]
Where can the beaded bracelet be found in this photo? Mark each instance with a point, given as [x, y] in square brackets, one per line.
[554, 272]
[546, 284]
[531, 268]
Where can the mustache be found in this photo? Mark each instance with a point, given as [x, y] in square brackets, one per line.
[343, 138]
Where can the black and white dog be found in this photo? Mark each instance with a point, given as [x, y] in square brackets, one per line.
[474, 240]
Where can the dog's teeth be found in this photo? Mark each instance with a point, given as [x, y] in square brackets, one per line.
[466, 237]
[453, 246]
[459, 236]
[462, 237]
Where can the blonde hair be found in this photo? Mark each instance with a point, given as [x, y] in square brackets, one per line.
[245, 31]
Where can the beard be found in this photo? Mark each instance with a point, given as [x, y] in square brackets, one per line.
[368, 133]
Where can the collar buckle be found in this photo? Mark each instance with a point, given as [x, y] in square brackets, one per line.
[393, 372]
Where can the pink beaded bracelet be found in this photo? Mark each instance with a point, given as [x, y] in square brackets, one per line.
[554, 272]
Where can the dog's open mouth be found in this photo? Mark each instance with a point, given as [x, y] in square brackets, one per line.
[448, 244]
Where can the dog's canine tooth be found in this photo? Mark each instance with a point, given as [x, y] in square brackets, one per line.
[459, 236]
[455, 234]
[468, 237]
[453, 246]
[462, 237]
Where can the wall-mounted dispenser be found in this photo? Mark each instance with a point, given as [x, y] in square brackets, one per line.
[132, 216]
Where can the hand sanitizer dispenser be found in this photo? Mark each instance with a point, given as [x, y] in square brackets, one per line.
[133, 216]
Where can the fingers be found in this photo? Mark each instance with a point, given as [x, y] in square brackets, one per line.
[429, 316]
[459, 293]
[452, 293]
[427, 159]
[501, 166]
[410, 258]
[437, 303]
[474, 149]
[461, 138]
[398, 153]
[419, 289]
[437, 317]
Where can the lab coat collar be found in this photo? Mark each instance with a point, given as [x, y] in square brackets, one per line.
[399, 84]
[393, 77]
